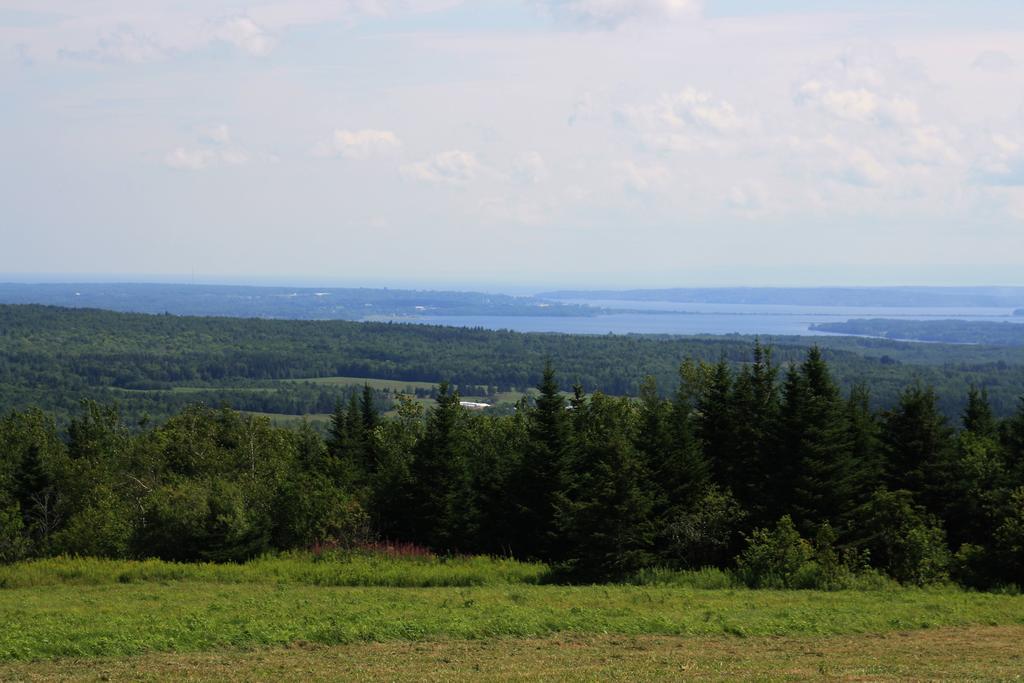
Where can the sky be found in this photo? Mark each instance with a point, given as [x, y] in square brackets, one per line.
[513, 143]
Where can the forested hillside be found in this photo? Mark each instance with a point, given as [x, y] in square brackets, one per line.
[288, 303]
[944, 331]
[156, 364]
[777, 476]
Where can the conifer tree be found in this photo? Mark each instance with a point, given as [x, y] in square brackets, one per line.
[1012, 438]
[785, 468]
[541, 471]
[757, 408]
[916, 440]
[972, 484]
[825, 490]
[865, 446]
[439, 478]
[345, 443]
[977, 416]
[716, 424]
[604, 516]
[654, 439]
[367, 409]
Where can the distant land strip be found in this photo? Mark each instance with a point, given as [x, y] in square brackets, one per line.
[944, 331]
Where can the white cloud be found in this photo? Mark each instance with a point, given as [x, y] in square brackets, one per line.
[234, 157]
[218, 135]
[530, 168]
[200, 158]
[454, 167]
[189, 159]
[358, 144]
[126, 31]
[750, 199]
[613, 13]
[504, 209]
[858, 104]
[685, 120]
[858, 166]
[246, 35]
[1002, 163]
[645, 178]
[120, 44]
[994, 61]
[582, 109]
[929, 145]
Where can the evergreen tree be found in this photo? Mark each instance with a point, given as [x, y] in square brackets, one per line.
[339, 465]
[756, 449]
[916, 441]
[604, 516]
[825, 490]
[865, 445]
[686, 474]
[977, 416]
[439, 477]
[1012, 439]
[778, 494]
[541, 471]
[654, 438]
[717, 425]
[337, 433]
[368, 409]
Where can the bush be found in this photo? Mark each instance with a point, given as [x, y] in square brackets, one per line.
[313, 511]
[102, 529]
[781, 558]
[775, 558]
[702, 535]
[903, 540]
[13, 544]
[193, 519]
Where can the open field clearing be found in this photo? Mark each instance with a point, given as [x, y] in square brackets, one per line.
[88, 608]
[355, 569]
[398, 385]
[973, 653]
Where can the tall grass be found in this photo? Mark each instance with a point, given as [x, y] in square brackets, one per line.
[323, 569]
[712, 578]
[191, 616]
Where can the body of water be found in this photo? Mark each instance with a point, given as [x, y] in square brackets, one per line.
[661, 317]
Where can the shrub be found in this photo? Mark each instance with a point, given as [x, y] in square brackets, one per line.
[13, 544]
[775, 557]
[102, 529]
[903, 540]
[701, 536]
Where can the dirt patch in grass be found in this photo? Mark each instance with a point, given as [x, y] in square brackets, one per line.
[990, 652]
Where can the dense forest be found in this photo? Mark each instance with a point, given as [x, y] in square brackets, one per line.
[290, 303]
[945, 331]
[776, 474]
[156, 364]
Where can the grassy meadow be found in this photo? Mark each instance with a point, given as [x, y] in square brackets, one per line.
[388, 616]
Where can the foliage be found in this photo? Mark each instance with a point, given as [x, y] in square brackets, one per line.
[368, 565]
[903, 539]
[775, 557]
[155, 365]
[600, 487]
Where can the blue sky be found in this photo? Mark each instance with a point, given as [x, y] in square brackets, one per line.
[586, 142]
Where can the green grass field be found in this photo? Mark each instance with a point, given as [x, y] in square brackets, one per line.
[296, 613]
[972, 653]
[398, 385]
